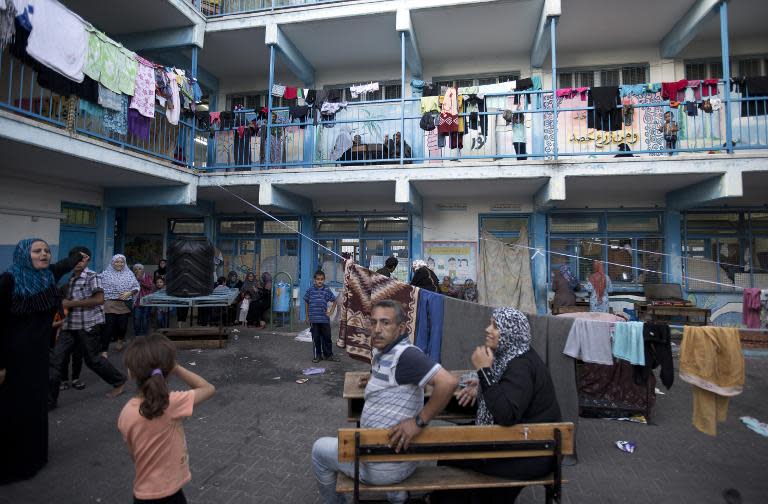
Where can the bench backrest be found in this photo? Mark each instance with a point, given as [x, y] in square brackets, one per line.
[460, 442]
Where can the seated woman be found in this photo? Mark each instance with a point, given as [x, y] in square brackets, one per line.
[514, 387]
[564, 284]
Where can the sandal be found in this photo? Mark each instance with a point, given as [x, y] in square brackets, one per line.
[78, 385]
[64, 385]
[315, 360]
[333, 358]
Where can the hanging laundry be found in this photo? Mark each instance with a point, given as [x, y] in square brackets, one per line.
[109, 74]
[633, 90]
[58, 39]
[628, 343]
[173, 107]
[673, 90]
[330, 108]
[429, 323]
[290, 93]
[7, 24]
[343, 143]
[109, 99]
[363, 89]
[501, 88]
[278, 90]
[138, 125]
[709, 87]
[606, 115]
[751, 308]
[128, 71]
[712, 361]
[469, 90]
[658, 352]
[363, 288]
[654, 87]
[590, 341]
[116, 121]
[310, 96]
[429, 104]
[144, 89]
[299, 113]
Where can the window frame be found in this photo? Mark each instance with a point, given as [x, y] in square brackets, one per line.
[605, 238]
[597, 74]
[744, 234]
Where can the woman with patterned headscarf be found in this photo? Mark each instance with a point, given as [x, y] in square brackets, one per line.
[599, 286]
[513, 387]
[120, 285]
[564, 284]
[29, 300]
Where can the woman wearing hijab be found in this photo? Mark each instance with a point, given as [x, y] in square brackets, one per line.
[29, 301]
[514, 387]
[160, 272]
[260, 301]
[250, 284]
[233, 281]
[564, 284]
[120, 285]
[599, 286]
[423, 277]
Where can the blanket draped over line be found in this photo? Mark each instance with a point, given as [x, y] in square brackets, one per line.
[362, 289]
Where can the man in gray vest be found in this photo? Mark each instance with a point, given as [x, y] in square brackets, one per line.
[394, 400]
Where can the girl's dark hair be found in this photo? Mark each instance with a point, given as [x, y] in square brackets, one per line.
[143, 355]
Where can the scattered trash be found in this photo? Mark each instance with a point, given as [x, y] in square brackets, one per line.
[302, 380]
[313, 371]
[755, 425]
[236, 337]
[198, 351]
[276, 378]
[202, 418]
[304, 336]
[659, 392]
[193, 363]
[256, 337]
[235, 330]
[626, 446]
[634, 419]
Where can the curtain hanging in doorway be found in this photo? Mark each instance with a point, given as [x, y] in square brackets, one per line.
[504, 273]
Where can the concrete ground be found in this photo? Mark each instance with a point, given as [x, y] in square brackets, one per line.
[251, 443]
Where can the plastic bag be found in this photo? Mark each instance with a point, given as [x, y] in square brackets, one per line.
[305, 335]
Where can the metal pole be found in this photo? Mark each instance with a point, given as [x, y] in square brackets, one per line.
[191, 162]
[724, 49]
[269, 105]
[553, 49]
[402, 96]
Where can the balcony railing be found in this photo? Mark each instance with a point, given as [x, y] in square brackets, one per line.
[20, 92]
[516, 125]
[215, 8]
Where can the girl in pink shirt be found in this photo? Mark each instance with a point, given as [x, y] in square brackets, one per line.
[151, 421]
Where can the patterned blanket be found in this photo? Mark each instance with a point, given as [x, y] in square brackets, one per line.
[362, 289]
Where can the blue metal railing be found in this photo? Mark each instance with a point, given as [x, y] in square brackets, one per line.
[21, 93]
[218, 8]
[515, 125]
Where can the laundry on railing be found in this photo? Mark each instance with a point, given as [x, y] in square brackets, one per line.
[363, 89]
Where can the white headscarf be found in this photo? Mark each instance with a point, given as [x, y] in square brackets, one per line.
[116, 282]
[418, 264]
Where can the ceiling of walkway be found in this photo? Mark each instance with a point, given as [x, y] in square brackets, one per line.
[134, 16]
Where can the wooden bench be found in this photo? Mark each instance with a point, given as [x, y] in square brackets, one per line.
[457, 443]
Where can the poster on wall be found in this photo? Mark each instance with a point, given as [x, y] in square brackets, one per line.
[146, 249]
[457, 260]
[400, 273]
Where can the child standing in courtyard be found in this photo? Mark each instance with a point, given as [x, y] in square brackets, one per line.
[317, 298]
[151, 421]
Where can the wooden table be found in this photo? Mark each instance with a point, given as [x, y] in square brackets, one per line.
[354, 394]
[580, 306]
[663, 313]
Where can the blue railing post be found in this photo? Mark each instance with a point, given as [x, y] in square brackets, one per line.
[267, 148]
[191, 158]
[553, 49]
[724, 49]
[402, 97]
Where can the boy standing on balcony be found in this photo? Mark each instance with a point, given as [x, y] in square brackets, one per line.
[670, 129]
[318, 314]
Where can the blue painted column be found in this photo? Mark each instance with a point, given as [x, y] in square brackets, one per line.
[673, 247]
[553, 50]
[108, 234]
[726, 59]
[416, 236]
[306, 260]
[213, 99]
[402, 96]
[539, 263]
[269, 105]
[191, 156]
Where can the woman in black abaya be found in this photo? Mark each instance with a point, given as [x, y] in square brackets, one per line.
[28, 302]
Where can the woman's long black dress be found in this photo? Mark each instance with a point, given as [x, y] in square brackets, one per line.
[24, 345]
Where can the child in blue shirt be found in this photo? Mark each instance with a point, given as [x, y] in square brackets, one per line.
[318, 314]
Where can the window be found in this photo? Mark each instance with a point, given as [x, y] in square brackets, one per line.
[725, 250]
[751, 67]
[337, 225]
[274, 227]
[237, 227]
[78, 216]
[386, 224]
[631, 245]
[388, 90]
[187, 226]
[613, 76]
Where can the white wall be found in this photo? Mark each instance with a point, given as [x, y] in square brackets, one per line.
[461, 225]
